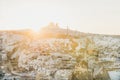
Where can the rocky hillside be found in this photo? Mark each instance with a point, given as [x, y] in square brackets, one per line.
[58, 54]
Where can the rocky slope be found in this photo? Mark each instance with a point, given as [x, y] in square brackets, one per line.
[63, 56]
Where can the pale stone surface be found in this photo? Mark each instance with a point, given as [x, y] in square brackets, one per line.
[51, 58]
[63, 75]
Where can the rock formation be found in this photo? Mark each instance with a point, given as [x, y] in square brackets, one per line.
[78, 56]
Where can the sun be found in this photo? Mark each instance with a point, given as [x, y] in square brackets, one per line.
[36, 29]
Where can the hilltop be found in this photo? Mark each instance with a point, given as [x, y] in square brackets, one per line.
[54, 51]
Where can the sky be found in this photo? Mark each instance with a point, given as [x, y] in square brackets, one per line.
[93, 16]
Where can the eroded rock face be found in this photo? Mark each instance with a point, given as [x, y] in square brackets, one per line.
[50, 59]
[63, 75]
[55, 66]
[47, 59]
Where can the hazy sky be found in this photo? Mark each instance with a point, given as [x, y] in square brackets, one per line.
[96, 16]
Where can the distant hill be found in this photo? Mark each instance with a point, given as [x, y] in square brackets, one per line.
[54, 31]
